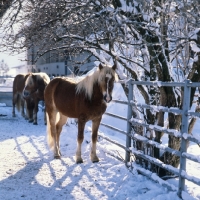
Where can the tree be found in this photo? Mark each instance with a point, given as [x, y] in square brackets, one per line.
[155, 38]
[4, 6]
[3, 68]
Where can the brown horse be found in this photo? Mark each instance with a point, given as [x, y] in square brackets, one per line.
[18, 100]
[33, 93]
[85, 100]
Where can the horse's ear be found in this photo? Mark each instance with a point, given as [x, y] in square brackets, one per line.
[100, 66]
[34, 77]
[114, 67]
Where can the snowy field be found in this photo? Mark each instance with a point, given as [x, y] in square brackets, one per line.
[28, 170]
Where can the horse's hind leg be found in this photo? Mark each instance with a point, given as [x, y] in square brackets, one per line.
[22, 108]
[81, 126]
[95, 127]
[44, 110]
[14, 103]
[45, 119]
[59, 126]
[51, 127]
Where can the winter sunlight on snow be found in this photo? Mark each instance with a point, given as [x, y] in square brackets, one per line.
[28, 170]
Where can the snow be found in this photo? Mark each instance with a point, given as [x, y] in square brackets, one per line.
[28, 170]
[194, 47]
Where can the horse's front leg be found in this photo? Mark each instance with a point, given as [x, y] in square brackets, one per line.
[26, 111]
[35, 111]
[95, 127]
[80, 137]
[29, 109]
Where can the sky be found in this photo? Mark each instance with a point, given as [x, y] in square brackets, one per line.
[12, 60]
[28, 170]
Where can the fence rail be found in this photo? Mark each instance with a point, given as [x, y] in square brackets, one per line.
[133, 138]
[182, 134]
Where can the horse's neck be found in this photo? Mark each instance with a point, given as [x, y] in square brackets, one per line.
[97, 94]
[40, 90]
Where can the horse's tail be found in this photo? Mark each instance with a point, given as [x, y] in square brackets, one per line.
[50, 139]
[18, 102]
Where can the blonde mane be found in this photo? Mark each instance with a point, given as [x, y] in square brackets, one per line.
[87, 83]
[39, 76]
[29, 80]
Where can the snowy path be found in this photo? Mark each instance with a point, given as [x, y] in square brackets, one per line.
[28, 171]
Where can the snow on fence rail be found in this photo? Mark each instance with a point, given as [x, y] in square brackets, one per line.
[183, 134]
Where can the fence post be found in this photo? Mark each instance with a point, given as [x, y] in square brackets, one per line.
[129, 115]
[184, 129]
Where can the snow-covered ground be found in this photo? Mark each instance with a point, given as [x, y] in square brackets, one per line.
[28, 170]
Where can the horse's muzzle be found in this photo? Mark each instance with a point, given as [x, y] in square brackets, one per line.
[107, 98]
[26, 94]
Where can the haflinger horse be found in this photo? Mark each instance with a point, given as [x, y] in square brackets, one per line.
[34, 92]
[18, 100]
[85, 100]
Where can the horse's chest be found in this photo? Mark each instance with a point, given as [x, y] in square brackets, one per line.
[97, 109]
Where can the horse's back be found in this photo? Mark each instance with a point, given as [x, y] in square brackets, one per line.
[60, 94]
[49, 92]
[19, 83]
[59, 88]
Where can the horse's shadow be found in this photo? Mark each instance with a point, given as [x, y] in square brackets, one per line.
[39, 179]
[24, 184]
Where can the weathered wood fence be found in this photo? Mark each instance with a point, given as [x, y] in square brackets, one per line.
[131, 138]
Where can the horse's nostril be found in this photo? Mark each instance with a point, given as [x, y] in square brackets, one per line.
[104, 97]
[107, 98]
[26, 93]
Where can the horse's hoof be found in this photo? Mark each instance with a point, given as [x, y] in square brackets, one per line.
[35, 123]
[30, 121]
[57, 157]
[95, 161]
[79, 161]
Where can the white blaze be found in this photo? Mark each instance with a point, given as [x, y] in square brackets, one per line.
[108, 96]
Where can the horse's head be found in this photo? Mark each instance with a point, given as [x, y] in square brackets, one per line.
[30, 86]
[106, 80]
